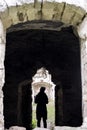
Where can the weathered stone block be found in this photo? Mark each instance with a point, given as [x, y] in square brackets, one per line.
[68, 14]
[1, 79]
[66, 128]
[41, 129]
[17, 128]
[58, 9]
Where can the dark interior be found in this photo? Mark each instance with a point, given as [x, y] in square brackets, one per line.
[59, 53]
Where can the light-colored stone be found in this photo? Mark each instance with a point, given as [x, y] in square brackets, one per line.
[1, 128]
[85, 123]
[51, 11]
[2, 33]
[68, 128]
[20, 14]
[17, 128]
[82, 29]
[41, 129]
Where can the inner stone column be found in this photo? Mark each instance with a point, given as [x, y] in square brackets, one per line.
[2, 74]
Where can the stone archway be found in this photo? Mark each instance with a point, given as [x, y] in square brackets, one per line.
[53, 49]
[21, 17]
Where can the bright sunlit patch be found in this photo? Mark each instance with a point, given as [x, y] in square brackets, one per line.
[43, 78]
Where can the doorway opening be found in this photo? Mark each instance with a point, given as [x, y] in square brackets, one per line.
[42, 78]
[57, 51]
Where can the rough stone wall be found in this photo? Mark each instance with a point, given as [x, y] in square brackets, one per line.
[2, 74]
[84, 80]
[82, 31]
